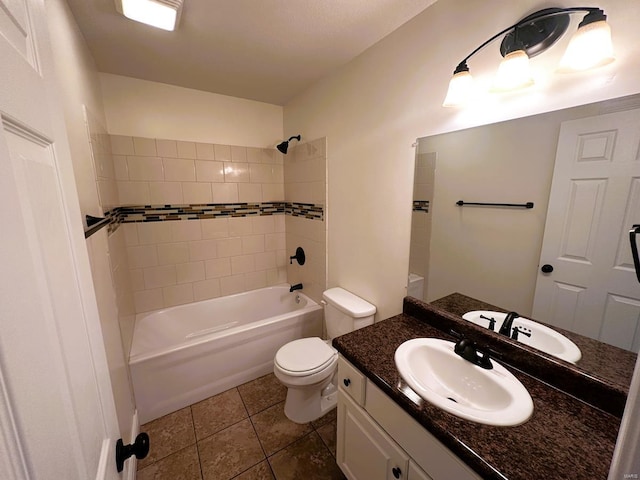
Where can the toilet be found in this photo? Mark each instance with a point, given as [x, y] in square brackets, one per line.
[307, 367]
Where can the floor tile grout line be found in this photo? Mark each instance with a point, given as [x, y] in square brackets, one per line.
[193, 421]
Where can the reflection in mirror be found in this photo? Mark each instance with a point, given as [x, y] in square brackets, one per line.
[493, 254]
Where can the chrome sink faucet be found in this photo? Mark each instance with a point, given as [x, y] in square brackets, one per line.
[505, 328]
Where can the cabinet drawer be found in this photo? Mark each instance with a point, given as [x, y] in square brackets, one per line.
[425, 449]
[351, 381]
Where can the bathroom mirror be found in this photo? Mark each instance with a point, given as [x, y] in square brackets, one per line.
[492, 254]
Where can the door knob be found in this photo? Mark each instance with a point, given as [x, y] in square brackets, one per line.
[546, 268]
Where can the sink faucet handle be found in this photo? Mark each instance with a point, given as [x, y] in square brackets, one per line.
[468, 350]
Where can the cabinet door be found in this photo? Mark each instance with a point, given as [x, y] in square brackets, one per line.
[364, 451]
[416, 473]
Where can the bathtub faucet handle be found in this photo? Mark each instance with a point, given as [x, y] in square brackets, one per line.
[298, 257]
[297, 286]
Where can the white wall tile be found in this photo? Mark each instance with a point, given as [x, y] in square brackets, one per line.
[240, 226]
[179, 170]
[236, 172]
[204, 151]
[255, 280]
[242, 264]
[148, 300]
[279, 221]
[154, 232]
[229, 247]
[145, 168]
[120, 167]
[190, 272]
[186, 149]
[203, 249]
[260, 155]
[136, 277]
[274, 241]
[165, 193]
[208, 171]
[276, 276]
[231, 285]
[141, 256]
[130, 233]
[177, 295]
[155, 277]
[167, 148]
[185, 230]
[222, 153]
[273, 192]
[263, 224]
[218, 267]
[252, 244]
[261, 173]
[265, 261]
[215, 228]
[206, 289]
[238, 154]
[145, 147]
[121, 145]
[173, 253]
[224, 192]
[133, 193]
[196, 192]
[250, 192]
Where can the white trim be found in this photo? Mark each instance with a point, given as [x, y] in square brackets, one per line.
[131, 465]
[103, 463]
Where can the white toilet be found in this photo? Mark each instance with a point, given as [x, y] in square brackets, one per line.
[307, 366]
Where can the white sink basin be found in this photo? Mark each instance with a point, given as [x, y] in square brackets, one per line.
[440, 376]
[543, 338]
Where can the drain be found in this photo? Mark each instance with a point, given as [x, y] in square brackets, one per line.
[452, 399]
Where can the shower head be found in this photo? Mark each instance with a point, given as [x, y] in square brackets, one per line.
[285, 145]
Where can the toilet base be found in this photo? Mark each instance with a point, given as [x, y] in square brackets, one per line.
[304, 405]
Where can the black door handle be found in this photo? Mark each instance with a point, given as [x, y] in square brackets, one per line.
[546, 268]
[396, 472]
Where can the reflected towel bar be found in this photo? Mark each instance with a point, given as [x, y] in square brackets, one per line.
[461, 203]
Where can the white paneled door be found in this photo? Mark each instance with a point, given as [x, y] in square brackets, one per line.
[57, 415]
[586, 282]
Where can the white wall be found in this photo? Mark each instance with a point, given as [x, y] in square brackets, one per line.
[373, 109]
[141, 108]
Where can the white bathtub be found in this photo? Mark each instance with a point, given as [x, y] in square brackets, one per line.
[184, 354]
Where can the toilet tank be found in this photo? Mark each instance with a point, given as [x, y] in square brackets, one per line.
[345, 312]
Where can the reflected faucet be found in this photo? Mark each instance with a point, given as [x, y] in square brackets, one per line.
[297, 286]
[505, 328]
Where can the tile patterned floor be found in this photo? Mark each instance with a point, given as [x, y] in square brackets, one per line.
[240, 434]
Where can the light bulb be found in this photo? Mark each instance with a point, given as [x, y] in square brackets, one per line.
[460, 88]
[590, 47]
[513, 72]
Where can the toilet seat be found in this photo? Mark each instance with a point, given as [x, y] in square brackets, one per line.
[305, 357]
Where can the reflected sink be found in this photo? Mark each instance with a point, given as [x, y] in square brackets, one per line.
[543, 338]
[437, 374]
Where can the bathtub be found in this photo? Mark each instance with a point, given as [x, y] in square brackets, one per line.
[184, 354]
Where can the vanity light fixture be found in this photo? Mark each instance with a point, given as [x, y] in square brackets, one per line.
[162, 14]
[590, 47]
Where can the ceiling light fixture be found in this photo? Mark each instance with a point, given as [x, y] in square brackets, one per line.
[590, 47]
[162, 14]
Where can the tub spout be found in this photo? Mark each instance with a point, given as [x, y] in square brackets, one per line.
[297, 286]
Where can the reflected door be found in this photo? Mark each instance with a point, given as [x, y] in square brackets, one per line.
[586, 281]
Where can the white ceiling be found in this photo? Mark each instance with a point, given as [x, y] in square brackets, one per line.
[265, 50]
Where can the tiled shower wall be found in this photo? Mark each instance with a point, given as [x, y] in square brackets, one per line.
[305, 182]
[177, 262]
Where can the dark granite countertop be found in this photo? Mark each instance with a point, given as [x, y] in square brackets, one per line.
[611, 364]
[564, 438]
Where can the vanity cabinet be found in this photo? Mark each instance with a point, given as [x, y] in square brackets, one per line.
[377, 440]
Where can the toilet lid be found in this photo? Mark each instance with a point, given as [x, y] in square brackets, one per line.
[304, 356]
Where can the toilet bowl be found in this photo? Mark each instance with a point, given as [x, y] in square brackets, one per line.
[308, 366]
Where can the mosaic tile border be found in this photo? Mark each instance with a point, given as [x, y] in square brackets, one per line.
[165, 213]
[421, 206]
